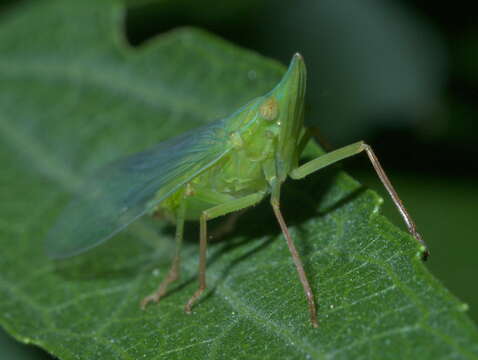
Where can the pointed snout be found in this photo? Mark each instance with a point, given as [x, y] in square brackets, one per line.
[290, 93]
[294, 78]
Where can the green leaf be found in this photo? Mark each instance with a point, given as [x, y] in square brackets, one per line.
[74, 96]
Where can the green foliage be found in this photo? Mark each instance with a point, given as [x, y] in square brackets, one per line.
[74, 96]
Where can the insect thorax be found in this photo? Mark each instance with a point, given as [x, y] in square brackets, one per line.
[240, 172]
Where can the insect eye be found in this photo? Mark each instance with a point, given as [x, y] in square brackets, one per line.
[269, 109]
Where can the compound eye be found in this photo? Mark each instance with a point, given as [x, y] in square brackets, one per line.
[269, 109]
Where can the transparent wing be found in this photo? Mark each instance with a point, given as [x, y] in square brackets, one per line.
[123, 191]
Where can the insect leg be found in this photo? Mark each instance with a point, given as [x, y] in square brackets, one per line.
[275, 202]
[353, 149]
[173, 273]
[214, 212]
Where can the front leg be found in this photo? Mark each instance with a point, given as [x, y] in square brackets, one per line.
[211, 213]
[275, 203]
[354, 149]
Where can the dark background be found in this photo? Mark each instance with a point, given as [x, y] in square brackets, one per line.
[401, 75]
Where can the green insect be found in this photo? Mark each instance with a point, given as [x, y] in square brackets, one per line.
[220, 168]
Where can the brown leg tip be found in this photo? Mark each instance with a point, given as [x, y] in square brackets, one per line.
[151, 298]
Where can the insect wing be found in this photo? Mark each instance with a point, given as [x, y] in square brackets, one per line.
[122, 191]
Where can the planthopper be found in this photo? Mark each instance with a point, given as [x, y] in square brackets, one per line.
[220, 168]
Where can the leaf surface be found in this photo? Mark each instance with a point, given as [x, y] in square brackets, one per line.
[74, 96]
